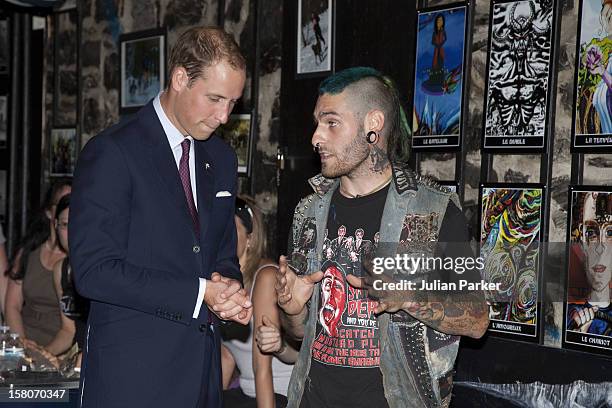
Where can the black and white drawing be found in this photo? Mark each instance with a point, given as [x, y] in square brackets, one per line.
[518, 75]
[314, 37]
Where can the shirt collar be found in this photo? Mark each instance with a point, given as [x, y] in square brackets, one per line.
[175, 137]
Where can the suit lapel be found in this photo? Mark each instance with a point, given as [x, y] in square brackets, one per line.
[162, 160]
[166, 169]
[205, 179]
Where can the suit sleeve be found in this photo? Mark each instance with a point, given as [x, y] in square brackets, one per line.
[227, 261]
[99, 230]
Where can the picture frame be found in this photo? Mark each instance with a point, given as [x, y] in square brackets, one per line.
[510, 242]
[439, 78]
[314, 38]
[591, 116]
[588, 269]
[143, 68]
[517, 88]
[66, 68]
[3, 121]
[62, 152]
[5, 47]
[3, 194]
[238, 133]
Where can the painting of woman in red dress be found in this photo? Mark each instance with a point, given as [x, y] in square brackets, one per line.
[438, 39]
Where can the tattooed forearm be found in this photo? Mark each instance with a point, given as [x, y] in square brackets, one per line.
[379, 160]
[460, 314]
[426, 311]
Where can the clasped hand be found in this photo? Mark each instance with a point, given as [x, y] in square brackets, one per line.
[268, 336]
[227, 299]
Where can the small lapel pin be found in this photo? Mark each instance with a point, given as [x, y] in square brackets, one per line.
[206, 166]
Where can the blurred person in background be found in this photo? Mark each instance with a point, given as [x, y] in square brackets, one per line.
[73, 306]
[263, 358]
[31, 306]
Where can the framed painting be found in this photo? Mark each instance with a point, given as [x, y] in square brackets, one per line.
[592, 130]
[438, 82]
[238, 133]
[510, 245]
[143, 68]
[62, 152]
[66, 68]
[518, 76]
[588, 309]
[314, 39]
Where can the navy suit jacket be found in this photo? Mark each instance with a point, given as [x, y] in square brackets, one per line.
[135, 254]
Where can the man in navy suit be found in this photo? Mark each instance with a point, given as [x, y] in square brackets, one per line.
[153, 239]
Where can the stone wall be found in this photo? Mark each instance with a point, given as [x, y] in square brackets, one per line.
[102, 22]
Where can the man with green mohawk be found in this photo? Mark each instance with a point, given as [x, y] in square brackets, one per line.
[363, 345]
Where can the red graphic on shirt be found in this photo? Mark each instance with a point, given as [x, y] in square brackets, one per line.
[349, 335]
[333, 297]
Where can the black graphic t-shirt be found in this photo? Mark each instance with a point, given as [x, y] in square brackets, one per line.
[345, 371]
[345, 357]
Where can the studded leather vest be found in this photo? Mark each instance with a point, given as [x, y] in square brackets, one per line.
[416, 361]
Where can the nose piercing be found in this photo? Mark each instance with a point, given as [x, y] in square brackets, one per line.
[317, 147]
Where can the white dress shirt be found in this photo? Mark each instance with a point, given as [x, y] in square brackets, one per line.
[175, 138]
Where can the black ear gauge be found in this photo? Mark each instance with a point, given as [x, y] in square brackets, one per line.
[372, 137]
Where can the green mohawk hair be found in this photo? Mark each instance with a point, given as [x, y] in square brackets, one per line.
[400, 135]
[336, 83]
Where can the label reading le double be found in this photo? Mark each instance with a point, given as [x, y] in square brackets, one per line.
[33, 394]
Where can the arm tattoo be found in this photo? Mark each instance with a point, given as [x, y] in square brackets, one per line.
[457, 313]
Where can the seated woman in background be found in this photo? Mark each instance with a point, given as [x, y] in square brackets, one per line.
[263, 377]
[74, 307]
[32, 309]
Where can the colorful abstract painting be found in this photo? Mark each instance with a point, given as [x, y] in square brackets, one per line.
[511, 216]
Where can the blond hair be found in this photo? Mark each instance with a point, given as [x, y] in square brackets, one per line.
[258, 243]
